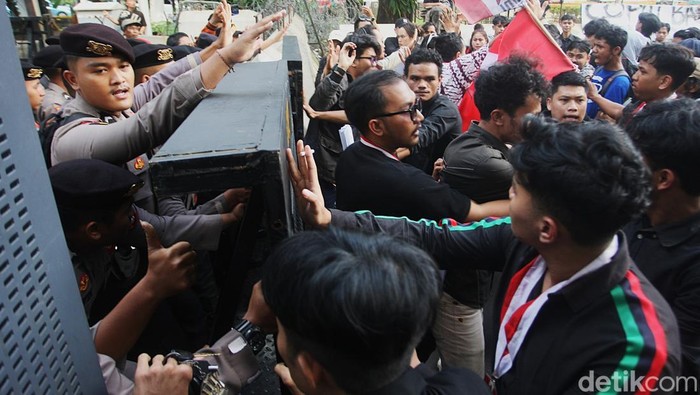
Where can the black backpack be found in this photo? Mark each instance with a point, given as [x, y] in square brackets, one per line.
[48, 130]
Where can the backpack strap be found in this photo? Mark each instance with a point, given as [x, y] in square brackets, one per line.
[48, 130]
[618, 73]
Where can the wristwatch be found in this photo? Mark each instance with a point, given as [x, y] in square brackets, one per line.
[252, 335]
[338, 70]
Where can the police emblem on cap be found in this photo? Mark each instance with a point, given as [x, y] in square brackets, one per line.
[83, 282]
[34, 73]
[165, 54]
[99, 48]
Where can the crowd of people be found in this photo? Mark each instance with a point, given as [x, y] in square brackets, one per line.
[547, 243]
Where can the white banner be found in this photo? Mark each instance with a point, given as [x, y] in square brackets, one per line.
[625, 15]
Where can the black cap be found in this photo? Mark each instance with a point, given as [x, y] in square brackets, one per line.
[132, 20]
[53, 40]
[49, 57]
[152, 55]
[180, 51]
[30, 71]
[92, 184]
[92, 40]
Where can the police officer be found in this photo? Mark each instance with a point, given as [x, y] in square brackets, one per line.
[51, 59]
[99, 69]
[150, 59]
[35, 91]
[108, 246]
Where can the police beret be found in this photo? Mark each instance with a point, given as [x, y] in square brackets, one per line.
[205, 39]
[49, 57]
[92, 184]
[92, 40]
[132, 20]
[180, 51]
[30, 71]
[53, 40]
[151, 55]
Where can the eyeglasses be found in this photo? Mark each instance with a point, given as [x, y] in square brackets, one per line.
[413, 111]
[372, 59]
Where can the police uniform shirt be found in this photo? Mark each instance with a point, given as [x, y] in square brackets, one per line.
[53, 101]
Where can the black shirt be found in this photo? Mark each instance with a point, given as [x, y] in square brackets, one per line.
[441, 125]
[422, 381]
[669, 255]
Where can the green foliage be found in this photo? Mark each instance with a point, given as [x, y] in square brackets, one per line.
[403, 8]
[163, 28]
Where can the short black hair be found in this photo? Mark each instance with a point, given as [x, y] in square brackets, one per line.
[592, 27]
[423, 55]
[567, 78]
[667, 132]
[650, 23]
[410, 28]
[174, 39]
[500, 20]
[426, 25]
[361, 18]
[447, 45]
[365, 99]
[669, 59]
[567, 17]
[362, 42]
[580, 45]
[614, 36]
[587, 175]
[357, 303]
[506, 86]
[691, 32]
[666, 25]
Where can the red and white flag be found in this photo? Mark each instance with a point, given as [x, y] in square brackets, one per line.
[476, 10]
[526, 37]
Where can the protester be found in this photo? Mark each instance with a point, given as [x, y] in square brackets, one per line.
[441, 120]
[590, 29]
[179, 38]
[566, 38]
[691, 86]
[663, 68]
[665, 243]
[391, 44]
[661, 35]
[357, 57]
[567, 100]
[609, 79]
[579, 54]
[350, 309]
[566, 271]
[499, 24]
[131, 12]
[131, 27]
[478, 40]
[476, 165]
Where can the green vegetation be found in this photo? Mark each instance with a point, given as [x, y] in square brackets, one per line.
[164, 28]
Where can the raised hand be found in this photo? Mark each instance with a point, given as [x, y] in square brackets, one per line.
[307, 188]
[347, 55]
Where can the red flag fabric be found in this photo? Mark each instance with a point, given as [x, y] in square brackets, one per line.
[476, 10]
[524, 36]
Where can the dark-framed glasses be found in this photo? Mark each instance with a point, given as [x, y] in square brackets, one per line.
[413, 111]
[372, 59]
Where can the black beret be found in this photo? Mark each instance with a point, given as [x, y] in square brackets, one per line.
[205, 39]
[49, 57]
[53, 40]
[92, 40]
[92, 184]
[30, 71]
[180, 51]
[151, 55]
